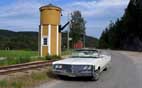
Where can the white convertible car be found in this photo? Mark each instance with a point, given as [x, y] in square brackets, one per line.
[82, 63]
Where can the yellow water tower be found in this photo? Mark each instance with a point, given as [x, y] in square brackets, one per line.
[49, 34]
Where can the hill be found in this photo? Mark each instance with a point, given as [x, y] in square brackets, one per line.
[29, 40]
[18, 40]
[126, 32]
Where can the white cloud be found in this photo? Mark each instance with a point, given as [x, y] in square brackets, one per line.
[98, 14]
[93, 7]
[19, 8]
[24, 14]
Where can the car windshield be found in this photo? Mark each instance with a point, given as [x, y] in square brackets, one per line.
[85, 54]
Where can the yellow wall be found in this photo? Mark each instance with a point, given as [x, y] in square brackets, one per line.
[50, 16]
[45, 50]
[45, 30]
[45, 33]
[53, 39]
[39, 41]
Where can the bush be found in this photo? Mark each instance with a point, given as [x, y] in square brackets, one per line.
[17, 84]
[23, 60]
[53, 57]
[3, 84]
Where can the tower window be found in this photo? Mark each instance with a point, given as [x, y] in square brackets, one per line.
[45, 41]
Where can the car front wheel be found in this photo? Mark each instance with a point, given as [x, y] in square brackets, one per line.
[96, 75]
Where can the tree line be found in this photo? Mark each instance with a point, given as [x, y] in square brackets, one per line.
[10, 40]
[126, 32]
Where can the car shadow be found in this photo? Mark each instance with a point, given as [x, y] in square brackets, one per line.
[65, 78]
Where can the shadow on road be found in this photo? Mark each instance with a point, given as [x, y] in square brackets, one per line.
[74, 78]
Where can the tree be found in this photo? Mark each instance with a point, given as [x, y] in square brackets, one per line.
[125, 33]
[77, 26]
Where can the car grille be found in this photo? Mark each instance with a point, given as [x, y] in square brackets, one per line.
[77, 68]
[67, 68]
[73, 68]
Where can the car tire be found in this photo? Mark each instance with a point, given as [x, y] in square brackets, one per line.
[105, 69]
[61, 77]
[96, 75]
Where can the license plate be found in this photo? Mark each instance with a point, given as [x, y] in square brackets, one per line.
[70, 75]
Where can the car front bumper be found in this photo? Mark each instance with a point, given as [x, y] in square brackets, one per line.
[73, 74]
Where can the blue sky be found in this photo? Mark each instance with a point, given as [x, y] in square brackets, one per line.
[23, 15]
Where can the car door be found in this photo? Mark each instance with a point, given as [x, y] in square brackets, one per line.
[103, 61]
[100, 63]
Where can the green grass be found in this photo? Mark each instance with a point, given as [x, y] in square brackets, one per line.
[22, 53]
[3, 84]
[18, 57]
[25, 81]
[17, 53]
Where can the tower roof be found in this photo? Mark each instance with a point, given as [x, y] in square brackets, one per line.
[50, 6]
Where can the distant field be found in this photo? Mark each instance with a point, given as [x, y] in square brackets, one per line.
[17, 53]
[10, 57]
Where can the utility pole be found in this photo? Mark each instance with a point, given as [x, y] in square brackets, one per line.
[84, 39]
[68, 34]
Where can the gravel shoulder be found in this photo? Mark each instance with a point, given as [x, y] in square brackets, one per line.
[135, 56]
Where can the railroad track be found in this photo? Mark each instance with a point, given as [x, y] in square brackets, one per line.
[23, 67]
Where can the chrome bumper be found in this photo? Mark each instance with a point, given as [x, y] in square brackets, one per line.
[73, 74]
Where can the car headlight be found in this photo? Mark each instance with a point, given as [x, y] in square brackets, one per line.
[87, 67]
[58, 66]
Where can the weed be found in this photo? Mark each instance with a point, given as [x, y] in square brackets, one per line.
[16, 84]
[54, 57]
[3, 84]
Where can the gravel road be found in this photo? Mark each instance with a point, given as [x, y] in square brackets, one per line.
[125, 72]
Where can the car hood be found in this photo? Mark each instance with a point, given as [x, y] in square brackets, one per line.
[78, 61]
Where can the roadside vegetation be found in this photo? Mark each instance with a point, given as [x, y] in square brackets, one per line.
[27, 80]
[18, 57]
[17, 53]
[10, 57]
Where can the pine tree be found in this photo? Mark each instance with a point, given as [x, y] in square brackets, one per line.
[126, 32]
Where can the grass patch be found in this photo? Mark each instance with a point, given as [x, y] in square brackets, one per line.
[11, 61]
[29, 80]
[3, 84]
[20, 60]
[18, 57]
[17, 53]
